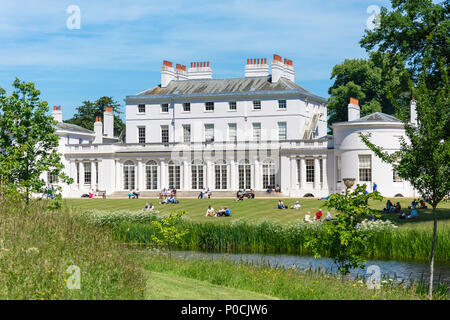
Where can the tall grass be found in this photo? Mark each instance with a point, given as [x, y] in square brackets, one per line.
[280, 282]
[37, 247]
[272, 237]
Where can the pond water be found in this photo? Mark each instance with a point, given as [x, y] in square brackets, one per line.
[396, 270]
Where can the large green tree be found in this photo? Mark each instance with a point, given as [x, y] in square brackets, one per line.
[88, 111]
[424, 157]
[27, 140]
[415, 30]
[369, 81]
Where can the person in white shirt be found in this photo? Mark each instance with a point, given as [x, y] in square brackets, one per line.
[296, 206]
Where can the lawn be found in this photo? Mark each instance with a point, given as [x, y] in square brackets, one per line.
[256, 209]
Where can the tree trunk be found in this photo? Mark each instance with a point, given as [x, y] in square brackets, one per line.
[433, 245]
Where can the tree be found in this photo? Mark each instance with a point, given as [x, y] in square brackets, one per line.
[369, 81]
[88, 111]
[169, 232]
[412, 31]
[342, 238]
[424, 157]
[28, 140]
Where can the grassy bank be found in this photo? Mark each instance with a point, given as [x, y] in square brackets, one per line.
[276, 282]
[387, 243]
[37, 248]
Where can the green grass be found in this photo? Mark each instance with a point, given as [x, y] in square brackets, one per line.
[256, 210]
[37, 247]
[162, 286]
[275, 282]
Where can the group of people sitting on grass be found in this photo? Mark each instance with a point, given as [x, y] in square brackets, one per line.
[134, 194]
[149, 207]
[317, 217]
[205, 194]
[167, 193]
[296, 206]
[242, 193]
[272, 188]
[397, 208]
[222, 212]
[170, 199]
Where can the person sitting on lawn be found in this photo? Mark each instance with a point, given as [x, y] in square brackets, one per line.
[201, 195]
[91, 194]
[319, 214]
[208, 193]
[398, 208]
[130, 195]
[162, 194]
[277, 188]
[308, 217]
[422, 204]
[220, 212]
[239, 195]
[209, 212]
[149, 207]
[269, 189]
[389, 206]
[296, 206]
[325, 198]
[329, 217]
[281, 205]
[250, 194]
[136, 194]
[227, 212]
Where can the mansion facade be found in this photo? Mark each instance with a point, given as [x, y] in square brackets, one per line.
[193, 132]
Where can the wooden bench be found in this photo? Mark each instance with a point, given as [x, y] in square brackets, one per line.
[101, 193]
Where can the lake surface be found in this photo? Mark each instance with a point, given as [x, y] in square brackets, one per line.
[399, 270]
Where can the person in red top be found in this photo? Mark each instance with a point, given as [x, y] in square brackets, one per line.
[319, 214]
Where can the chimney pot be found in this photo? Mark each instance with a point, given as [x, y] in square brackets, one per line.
[354, 101]
[208, 64]
[277, 58]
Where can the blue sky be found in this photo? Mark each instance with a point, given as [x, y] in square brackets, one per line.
[120, 46]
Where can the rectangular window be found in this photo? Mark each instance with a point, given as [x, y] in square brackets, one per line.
[52, 178]
[338, 169]
[141, 108]
[256, 104]
[96, 173]
[186, 107]
[141, 134]
[282, 104]
[365, 168]
[164, 134]
[232, 135]
[87, 173]
[395, 176]
[165, 108]
[232, 106]
[310, 170]
[186, 133]
[282, 131]
[321, 170]
[78, 172]
[209, 132]
[256, 131]
[209, 106]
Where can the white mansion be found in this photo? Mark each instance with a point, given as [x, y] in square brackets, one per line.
[193, 132]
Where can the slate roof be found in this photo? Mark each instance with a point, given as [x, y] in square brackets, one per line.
[72, 127]
[377, 116]
[201, 87]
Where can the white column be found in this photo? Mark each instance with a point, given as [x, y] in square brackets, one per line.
[316, 173]
[164, 175]
[324, 168]
[302, 173]
[186, 181]
[233, 175]
[294, 179]
[258, 175]
[93, 176]
[119, 185]
[209, 175]
[81, 175]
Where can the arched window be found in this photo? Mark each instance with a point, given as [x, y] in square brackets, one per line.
[129, 169]
[245, 174]
[174, 174]
[268, 173]
[220, 169]
[197, 174]
[151, 172]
